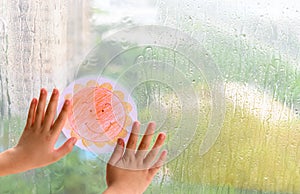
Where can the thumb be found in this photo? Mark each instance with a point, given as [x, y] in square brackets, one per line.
[155, 168]
[65, 148]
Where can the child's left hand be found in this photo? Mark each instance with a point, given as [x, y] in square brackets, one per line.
[36, 145]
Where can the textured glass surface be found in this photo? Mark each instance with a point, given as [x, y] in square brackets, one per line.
[234, 83]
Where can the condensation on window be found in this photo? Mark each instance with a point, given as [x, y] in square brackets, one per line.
[255, 45]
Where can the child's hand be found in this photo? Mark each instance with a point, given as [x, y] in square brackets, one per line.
[133, 170]
[36, 145]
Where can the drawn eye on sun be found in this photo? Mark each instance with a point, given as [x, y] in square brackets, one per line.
[100, 113]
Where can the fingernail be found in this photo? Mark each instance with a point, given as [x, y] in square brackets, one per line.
[162, 136]
[67, 102]
[74, 140]
[152, 123]
[120, 141]
[34, 100]
[43, 91]
[164, 152]
[136, 123]
[54, 91]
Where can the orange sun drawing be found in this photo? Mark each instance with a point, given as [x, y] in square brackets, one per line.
[100, 115]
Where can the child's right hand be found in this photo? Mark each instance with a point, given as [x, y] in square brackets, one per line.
[133, 170]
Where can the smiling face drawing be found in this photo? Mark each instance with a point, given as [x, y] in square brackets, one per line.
[99, 116]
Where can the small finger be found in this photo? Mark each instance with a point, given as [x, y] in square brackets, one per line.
[62, 118]
[31, 111]
[40, 110]
[146, 140]
[51, 110]
[118, 152]
[155, 149]
[66, 148]
[131, 143]
[155, 168]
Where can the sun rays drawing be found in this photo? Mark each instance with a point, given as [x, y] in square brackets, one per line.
[101, 113]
